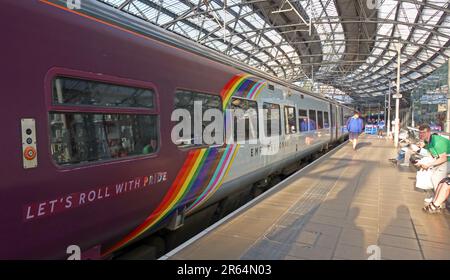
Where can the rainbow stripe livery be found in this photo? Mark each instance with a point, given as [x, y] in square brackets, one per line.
[204, 170]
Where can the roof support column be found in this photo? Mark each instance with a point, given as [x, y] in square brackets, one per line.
[397, 98]
[388, 132]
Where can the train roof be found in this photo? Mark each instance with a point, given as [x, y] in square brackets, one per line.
[132, 23]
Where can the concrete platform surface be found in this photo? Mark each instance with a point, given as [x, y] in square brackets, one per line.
[338, 209]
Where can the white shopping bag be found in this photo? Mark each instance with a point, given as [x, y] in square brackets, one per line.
[423, 180]
[423, 177]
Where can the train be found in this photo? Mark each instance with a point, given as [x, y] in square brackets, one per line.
[89, 163]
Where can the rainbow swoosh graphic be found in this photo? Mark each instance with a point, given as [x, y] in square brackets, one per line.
[203, 171]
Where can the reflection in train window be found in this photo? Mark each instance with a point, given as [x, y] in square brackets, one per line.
[245, 119]
[87, 137]
[312, 120]
[272, 119]
[326, 123]
[319, 120]
[303, 120]
[78, 92]
[290, 120]
[88, 122]
[185, 99]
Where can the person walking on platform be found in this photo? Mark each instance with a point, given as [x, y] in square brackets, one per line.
[380, 128]
[354, 127]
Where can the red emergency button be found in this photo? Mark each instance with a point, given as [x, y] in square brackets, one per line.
[29, 153]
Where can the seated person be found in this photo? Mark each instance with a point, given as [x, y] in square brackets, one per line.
[303, 124]
[441, 195]
[439, 147]
[405, 153]
[150, 147]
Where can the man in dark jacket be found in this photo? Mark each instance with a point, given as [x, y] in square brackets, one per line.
[354, 127]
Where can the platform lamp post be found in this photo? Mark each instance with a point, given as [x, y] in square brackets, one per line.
[379, 110]
[384, 108]
[389, 113]
[397, 97]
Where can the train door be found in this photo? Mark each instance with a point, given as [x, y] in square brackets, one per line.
[339, 121]
[272, 125]
[290, 128]
[246, 134]
[333, 125]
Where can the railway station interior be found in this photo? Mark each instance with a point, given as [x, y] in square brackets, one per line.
[125, 141]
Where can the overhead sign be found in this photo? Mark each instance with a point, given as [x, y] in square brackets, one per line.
[433, 99]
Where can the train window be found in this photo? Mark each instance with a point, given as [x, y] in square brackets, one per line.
[185, 99]
[88, 122]
[79, 92]
[245, 116]
[272, 119]
[290, 120]
[326, 123]
[87, 137]
[312, 120]
[319, 120]
[303, 120]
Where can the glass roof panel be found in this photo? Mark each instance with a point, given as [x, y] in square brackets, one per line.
[337, 53]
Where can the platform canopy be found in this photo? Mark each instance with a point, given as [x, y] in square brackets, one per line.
[335, 47]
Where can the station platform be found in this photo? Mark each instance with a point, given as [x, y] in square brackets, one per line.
[335, 208]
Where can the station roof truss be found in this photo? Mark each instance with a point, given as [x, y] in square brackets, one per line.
[339, 47]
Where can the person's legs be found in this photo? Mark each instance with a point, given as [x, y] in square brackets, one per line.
[355, 142]
[439, 187]
[408, 154]
[352, 138]
[442, 195]
[401, 154]
[438, 173]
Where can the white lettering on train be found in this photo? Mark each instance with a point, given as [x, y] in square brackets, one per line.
[44, 208]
